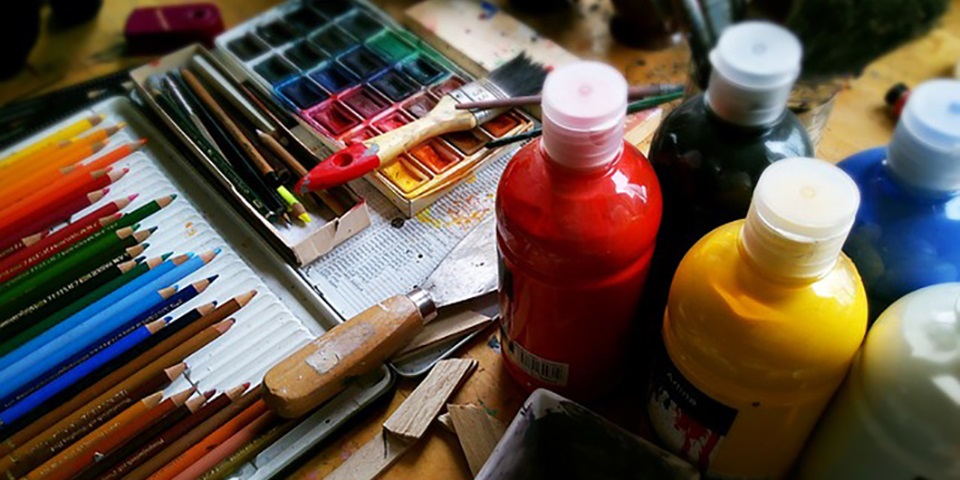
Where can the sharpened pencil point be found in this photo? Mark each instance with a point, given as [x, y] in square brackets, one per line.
[175, 371]
[96, 119]
[133, 197]
[245, 298]
[305, 217]
[164, 201]
[212, 278]
[179, 259]
[210, 393]
[225, 325]
[207, 256]
[166, 255]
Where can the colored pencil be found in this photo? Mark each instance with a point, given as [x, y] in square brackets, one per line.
[145, 211]
[210, 442]
[66, 295]
[23, 243]
[154, 467]
[51, 209]
[124, 378]
[160, 443]
[65, 133]
[56, 192]
[72, 259]
[33, 450]
[34, 175]
[148, 436]
[36, 180]
[229, 446]
[72, 152]
[248, 451]
[14, 194]
[28, 225]
[116, 247]
[40, 152]
[75, 459]
[77, 236]
[115, 297]
[68, 235]
[51, 356]
[75, 374]
[66, 312]
[184, 342]
[53, 468]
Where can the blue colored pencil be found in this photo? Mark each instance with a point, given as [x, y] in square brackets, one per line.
[89, 311]
[155, 313]
[76, 374]
[85, 336]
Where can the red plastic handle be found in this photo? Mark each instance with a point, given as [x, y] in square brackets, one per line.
[348, 164]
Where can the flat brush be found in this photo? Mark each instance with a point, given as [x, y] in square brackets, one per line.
[518, 77]
[634, 93]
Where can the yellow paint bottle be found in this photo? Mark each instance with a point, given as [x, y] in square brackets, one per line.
[764, 318]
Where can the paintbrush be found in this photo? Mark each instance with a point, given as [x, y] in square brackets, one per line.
[636, 92]
[518, 77]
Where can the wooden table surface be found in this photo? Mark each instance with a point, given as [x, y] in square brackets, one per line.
[859, 120]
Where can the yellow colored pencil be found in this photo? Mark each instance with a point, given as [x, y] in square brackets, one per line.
[65, 133]
[49, 171]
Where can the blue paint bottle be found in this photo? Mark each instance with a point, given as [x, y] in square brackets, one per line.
[907, 232]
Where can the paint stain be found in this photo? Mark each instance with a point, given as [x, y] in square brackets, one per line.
[489, 10]
[494, 343]
[191, 229]
[426, 217]
[490, 411]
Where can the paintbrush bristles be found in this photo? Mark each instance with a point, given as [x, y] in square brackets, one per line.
[519, 77]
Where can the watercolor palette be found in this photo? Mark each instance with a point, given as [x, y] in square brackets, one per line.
[351, 73]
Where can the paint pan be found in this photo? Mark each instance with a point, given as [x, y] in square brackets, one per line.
[359, 135]
[391, 46]
[275, 69]
[302, 92]
[360, 24]
[402, 174]
[276, 33]
[362, 62]
[469, 142]
[334, 117]
[391, 121]
[435, 155]
[331, 8]
[247, 47]
[304, 19]
[394, 85]
[502, 125]
[447, 86]
[333, 40]
[366, 101]
[304, 55]
[423, 70]
[419, 105]
[334, 77]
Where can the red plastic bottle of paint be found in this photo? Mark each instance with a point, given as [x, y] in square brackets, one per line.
[577, 214]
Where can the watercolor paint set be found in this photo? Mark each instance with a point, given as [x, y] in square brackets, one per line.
[350, 73]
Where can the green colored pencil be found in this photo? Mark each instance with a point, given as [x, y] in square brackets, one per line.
[117, 248]
[36, 329]
[64, 296]
[138, 215]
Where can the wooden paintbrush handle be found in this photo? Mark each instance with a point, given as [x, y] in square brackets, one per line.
[360, 159]
[325, 366]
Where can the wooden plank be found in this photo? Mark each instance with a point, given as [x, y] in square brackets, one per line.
[422, 406]
[372, 458]
[478, 431]
[443, 330]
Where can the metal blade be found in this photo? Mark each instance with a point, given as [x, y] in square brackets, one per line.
[470, 270]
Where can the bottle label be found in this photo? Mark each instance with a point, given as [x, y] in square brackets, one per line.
[689, 422]
[546, 371]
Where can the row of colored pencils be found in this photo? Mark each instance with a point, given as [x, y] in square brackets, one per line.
[92, 331]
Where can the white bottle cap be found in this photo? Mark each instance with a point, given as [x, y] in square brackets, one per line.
[754, 67]
[925, 149]
[800, 215]
[584, 105]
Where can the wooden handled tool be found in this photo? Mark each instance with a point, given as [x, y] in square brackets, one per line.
[324, 367]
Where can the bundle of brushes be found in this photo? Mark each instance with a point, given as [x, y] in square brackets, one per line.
[516, 78]
[240, 140]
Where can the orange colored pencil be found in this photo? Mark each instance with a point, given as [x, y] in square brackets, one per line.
[75, 152]
[24, 188]
[39, 448]
[40, 156]
[55, 468]
[122, 434]
[226, 448]
[44, 200]
[27, 222]
[210, 442]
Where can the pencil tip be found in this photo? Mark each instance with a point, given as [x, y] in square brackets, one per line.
[164, 201]
[210, 393]
[211, 279]
[245, 298]
[152, 229]
[207, 256]
[165, 256]
[133, 197]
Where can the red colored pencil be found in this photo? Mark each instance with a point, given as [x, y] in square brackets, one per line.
[67, 236]
[60, 214]
[24, 242]
[23, 212]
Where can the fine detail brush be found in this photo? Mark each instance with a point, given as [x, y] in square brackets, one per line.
[518, 77]
[636, 92]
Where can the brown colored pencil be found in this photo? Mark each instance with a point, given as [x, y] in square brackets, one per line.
[51, 441]
[229, 446]
[58, 467]
[104, 386]
[173, 433]
[210, 442]
[194, 436]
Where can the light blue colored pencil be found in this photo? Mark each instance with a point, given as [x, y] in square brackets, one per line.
[77, 373]
[89, 311]
[46, 358]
